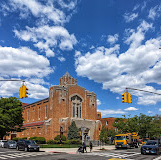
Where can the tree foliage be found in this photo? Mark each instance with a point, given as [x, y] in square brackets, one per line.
[106, 133]
[146, 126]
[73, 131]
[10, 115]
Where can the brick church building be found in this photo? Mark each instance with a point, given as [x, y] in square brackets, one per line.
[67, 102]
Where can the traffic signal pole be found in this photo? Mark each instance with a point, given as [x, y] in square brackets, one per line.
[126, 97]
[143, 91]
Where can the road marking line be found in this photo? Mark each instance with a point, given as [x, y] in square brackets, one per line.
[157, 158]
[3, 158]
[7, 156]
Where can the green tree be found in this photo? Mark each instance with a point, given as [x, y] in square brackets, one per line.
[142, 124]
[10, 115]
[155, 130]
[73, 131]
[104, 135]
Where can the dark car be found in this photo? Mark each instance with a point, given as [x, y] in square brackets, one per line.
[151, 146]
[10, 144]
[27, 145]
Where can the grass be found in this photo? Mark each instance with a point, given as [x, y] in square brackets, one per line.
[60, 145]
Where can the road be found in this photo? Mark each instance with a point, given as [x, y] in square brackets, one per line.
[130, 154]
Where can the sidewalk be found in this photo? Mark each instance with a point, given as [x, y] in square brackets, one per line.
[73, 150]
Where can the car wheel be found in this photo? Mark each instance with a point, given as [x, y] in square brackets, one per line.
[38, 150]
[26, 149]
[144, 152]
[17, 148]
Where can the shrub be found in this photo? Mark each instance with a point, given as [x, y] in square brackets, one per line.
[39, 140]
[74, 142]
[50, 142]
[63, 138]
[24, 138]
[16, 139]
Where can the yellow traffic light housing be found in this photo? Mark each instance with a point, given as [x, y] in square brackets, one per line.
[24, 93]
[21, 92]
[124, 97]
[129, 98]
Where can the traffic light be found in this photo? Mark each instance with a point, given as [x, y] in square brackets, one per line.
[124, 97]
[24, 92]
[20, 93]
[129, 98]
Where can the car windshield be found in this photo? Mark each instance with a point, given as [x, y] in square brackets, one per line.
[120, 138]
[151, 143]
[4, 141]
[30, 142]
[12, 142]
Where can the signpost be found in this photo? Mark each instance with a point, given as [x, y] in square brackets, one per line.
[83, 129]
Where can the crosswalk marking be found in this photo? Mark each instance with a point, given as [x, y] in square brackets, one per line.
[158, 158]
[115, 155]
[22, 154]
[2, 157]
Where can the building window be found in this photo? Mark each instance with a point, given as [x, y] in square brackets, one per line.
[28, 115]
[33, 113]
[46, 111]
[76, 107]
[106, 123]
[39, 113]
[73, 109]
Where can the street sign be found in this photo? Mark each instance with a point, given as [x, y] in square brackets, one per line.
[83, 128]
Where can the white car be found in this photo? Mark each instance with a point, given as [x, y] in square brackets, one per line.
[2, 143]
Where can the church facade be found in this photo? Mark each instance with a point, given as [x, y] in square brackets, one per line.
[67, 102]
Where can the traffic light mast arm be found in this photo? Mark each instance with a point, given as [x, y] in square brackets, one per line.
[12, 80]
[143, 91]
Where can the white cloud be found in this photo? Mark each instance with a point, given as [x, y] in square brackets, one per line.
[130, 16]
[47, 38]
[98, 102]
[61, 59]
[105, 113]
[23, 62]
[159, 109]
[133, 69]
[150, 112]
[67, 4]
[131, 109]
[117, 97]
[38, 9]
[112, 38]
[154, 12]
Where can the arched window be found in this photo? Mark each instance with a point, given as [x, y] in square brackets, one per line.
[106, 123]
[76, 107]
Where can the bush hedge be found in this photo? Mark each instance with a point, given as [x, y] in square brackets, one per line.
[39, 140]
[63, 138]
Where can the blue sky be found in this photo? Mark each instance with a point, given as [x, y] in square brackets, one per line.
[106, 45]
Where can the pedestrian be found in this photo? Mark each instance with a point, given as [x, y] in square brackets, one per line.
[90, 146]
[84, 147]
[111, 140]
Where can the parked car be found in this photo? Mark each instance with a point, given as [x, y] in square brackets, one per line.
[151, 146]
[10, 144]
[27, 145]
[2, 143]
